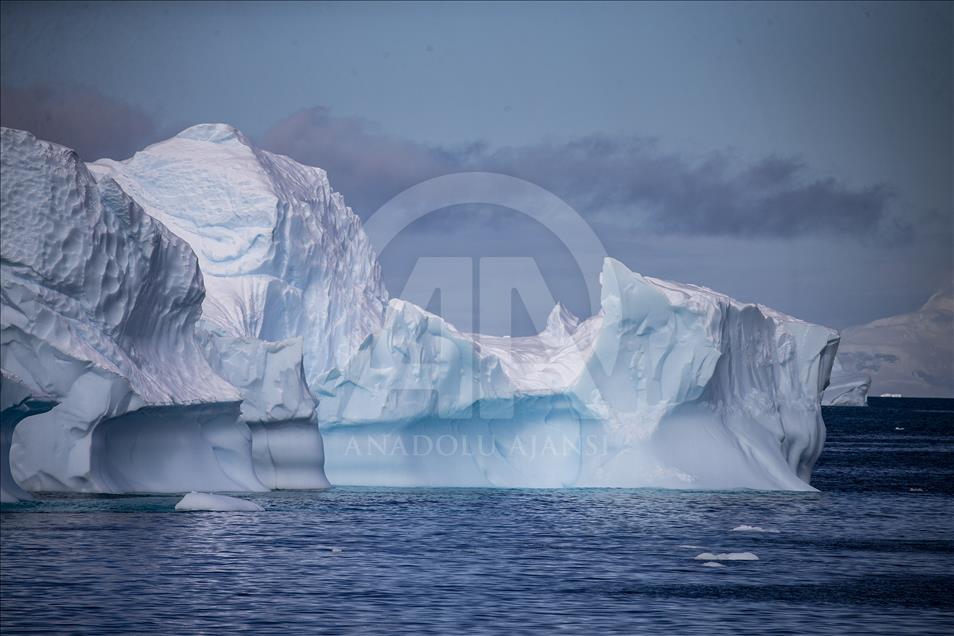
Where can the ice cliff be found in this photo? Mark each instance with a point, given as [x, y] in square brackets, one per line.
[281, 254]
[668, 386]
[187, 318]
[99, 307]
[292, 282]
[101, 313]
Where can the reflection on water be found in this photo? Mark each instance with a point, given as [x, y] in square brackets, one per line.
[873, 552]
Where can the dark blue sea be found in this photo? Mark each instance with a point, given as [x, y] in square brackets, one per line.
[873, 552]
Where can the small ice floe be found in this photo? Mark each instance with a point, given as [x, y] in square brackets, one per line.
[727, 556]
[692, 547]
[207, 502]
[899, 428]
[712, 564]
[915, 489]
[745, 528]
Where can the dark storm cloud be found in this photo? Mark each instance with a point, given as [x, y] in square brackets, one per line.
[81, 118]
[368, 166]
[624, 182]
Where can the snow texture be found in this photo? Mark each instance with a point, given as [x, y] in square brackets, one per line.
[281, 253]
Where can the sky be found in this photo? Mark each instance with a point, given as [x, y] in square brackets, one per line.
[796, 155]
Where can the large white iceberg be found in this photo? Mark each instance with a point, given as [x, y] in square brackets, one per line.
[100, 307]
[668, 385]
[185, 319]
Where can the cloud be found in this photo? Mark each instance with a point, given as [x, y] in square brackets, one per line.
[366, 165]
[81, 118]
[618, 182]
[621, 183]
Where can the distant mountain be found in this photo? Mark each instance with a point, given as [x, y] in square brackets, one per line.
[911, 354]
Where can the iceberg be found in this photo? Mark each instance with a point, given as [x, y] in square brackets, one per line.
[209, 316]
[669, 385]
[208, 502]
[726, 556]
[101, 310]
[292, 283]
[846, 388]
[99, 307]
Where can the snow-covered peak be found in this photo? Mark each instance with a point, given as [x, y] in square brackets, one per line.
[281, 253]
[911, 354]
[214, 133]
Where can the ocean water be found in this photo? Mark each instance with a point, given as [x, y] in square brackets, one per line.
[873, 552]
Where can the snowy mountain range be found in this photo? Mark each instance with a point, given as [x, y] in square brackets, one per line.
[911, 354]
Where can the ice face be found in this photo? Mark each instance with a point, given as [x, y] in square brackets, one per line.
[100, 310]
[281, 253]
[668, 386]
[292, 283]
[90, 275]
[17, 402]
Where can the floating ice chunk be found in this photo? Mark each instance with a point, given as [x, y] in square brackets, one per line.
[207, 502]
[693, 547]
[727, 556]
[846, 388]
[745, 528]
[899, 428]
[712, 564]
